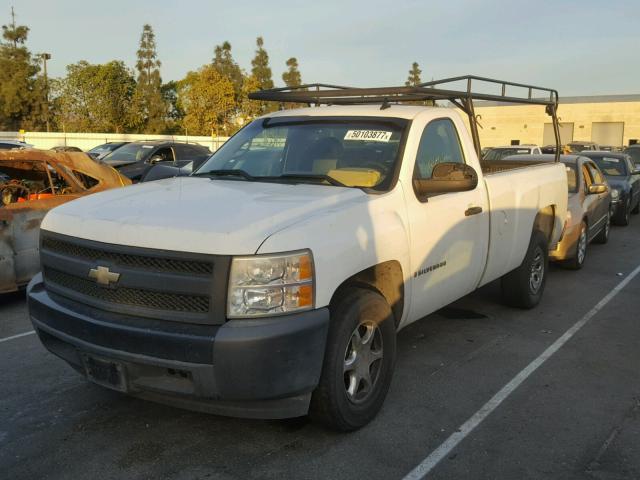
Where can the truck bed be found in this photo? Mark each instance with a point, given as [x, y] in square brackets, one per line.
[517, 192]
[490, 167]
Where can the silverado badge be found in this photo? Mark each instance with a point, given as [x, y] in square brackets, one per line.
[103, 276]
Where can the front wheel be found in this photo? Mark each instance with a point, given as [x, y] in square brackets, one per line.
[622, 218]
[523, 287]
[358, 363]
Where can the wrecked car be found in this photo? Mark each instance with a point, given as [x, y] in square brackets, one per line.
[32, 182]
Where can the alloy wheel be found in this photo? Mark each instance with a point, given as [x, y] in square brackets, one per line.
[363, 361]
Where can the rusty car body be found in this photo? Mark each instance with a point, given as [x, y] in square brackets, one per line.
[32, 182]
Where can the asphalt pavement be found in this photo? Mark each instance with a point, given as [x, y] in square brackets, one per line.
[575, 416]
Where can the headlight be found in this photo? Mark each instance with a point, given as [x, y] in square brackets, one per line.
[615, 194]
[263, 285]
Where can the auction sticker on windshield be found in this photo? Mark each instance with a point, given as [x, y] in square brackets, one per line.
[368, 135]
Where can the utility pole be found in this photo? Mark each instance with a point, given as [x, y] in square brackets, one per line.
[45, 57]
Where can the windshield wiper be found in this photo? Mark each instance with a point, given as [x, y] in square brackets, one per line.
[226, 173]
[312, 176]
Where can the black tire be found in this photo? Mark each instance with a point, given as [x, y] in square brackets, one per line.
[622, 217]
[332, 403]
[577, 260]
[519, 289]
[603, 235]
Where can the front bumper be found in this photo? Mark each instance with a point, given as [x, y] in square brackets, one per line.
[263, 368]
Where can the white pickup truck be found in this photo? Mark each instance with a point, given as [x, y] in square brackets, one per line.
[273, 281]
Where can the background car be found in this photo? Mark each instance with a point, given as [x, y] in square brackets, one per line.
[634, 152]
[66, 148]
[577, 147]
[11, 144]
[624, 179]
[35, 182]
[105, 149]
[135, 158]
[588, 208]
[498, 153]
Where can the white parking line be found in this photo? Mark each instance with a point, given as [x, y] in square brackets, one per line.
[467, 427]
[13, 337]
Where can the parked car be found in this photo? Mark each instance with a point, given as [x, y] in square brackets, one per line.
[13, 144]
[169, 170]
[105, 149]
[588, 210]
[610, 148]
[498, 153]
[577, 147]
[624, 177]
[66, 148]
[34, 182]
[271, 282]
[135, 158]
[634, 152]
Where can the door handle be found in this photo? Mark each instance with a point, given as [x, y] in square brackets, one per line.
[472, 211]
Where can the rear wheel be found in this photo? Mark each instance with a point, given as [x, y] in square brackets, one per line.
[523, 286]
[358, 363]
[580, 252]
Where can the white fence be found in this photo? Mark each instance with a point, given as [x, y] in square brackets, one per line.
[87, 141]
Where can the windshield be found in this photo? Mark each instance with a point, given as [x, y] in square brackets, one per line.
[500, 153]
[611, 166]
[572, 178]
[348, 151]
[132, 152]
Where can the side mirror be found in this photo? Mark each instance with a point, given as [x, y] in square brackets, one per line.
[447, 177]
[636, 169]
[597, 188]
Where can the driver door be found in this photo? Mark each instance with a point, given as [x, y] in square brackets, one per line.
[449, 231]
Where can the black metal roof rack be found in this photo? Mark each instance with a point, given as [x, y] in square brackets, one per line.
[323, 94]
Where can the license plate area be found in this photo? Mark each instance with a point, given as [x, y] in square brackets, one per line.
[105, 372]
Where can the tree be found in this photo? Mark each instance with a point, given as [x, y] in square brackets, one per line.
[226, 66]
[175, 114]
[96, 98]
[207, 98]
[414, 76]
[249, 109]
[22, 95]
[292, 77]
[414, 80]
[261, 71]
[149, 109]
[260, 66]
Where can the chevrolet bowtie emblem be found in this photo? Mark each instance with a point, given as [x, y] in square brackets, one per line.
[103, 276]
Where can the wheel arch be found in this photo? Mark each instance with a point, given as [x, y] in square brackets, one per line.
[385, 278]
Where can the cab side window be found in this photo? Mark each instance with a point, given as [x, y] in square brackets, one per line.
[439, 144]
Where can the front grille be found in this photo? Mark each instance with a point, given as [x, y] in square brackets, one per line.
[153, 284]
[129, 296]
[125, 259]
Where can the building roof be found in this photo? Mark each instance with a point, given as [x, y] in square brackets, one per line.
[579, 99]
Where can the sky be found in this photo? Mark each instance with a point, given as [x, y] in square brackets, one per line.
[587, 47]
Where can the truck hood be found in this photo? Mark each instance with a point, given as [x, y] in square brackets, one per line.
[197, 215]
